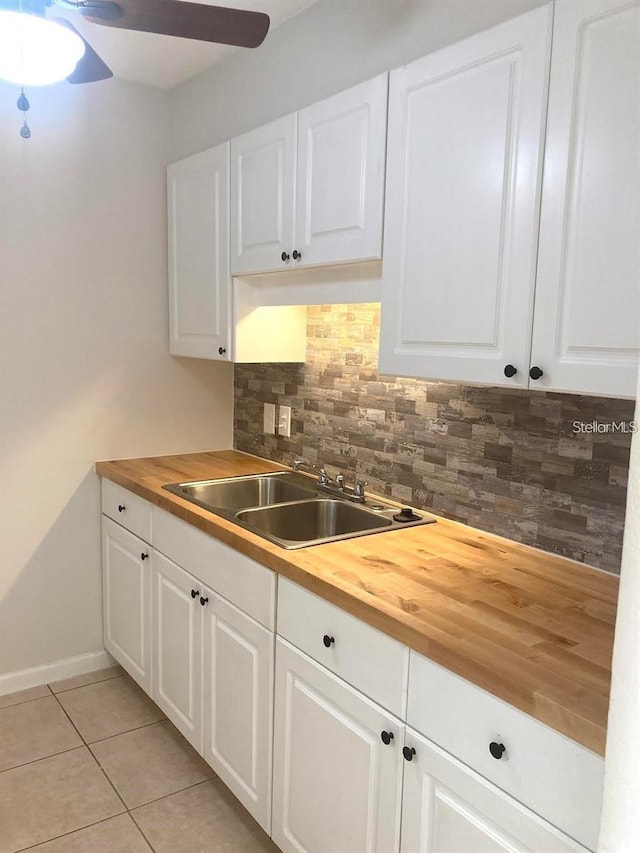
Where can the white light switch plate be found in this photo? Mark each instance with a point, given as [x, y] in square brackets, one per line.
[284, 421]
[269, 419]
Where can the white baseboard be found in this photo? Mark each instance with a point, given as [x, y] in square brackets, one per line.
[50, 672]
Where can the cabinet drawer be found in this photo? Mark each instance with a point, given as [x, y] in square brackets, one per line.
[240, 580]
[127, 509]
[371, 661]
[551, 774]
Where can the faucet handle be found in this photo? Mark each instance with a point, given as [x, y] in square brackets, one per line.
[340, 482]
[358, 489]
[323, 477]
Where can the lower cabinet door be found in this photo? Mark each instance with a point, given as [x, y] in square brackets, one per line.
[177, 643]
[237, 691]
[336, 783]
[448, 808]
[126, 586]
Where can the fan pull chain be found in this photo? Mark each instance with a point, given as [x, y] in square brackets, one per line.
[24, 106]
[23, 102]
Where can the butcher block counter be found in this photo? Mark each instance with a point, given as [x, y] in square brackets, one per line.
[533, 629]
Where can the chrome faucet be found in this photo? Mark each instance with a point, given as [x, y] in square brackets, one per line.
[310, 468]
[333, 487]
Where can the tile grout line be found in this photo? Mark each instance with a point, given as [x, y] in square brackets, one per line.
[88, 684]
[172, 794]
[90, 743]
[141, 831]
[26, 701]
[43, 758]
[71, 832]
[88, 748]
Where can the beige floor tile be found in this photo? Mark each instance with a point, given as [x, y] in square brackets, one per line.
[116, 835]
[87, 678]
[109, 708]
[24, 696]
[34, 730]
[203, 819]
[149, 763]
[47, 798]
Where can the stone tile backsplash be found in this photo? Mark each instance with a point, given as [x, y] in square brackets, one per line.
[507, 461]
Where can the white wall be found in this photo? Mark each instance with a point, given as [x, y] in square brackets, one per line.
[620, 827]
[332, 45]
[85, 371]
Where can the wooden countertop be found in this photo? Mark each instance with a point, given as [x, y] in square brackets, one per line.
[531, 628]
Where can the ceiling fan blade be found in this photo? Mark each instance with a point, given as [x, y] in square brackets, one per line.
[91, 68]
[177, 18]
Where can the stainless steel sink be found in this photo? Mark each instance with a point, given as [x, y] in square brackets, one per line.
[286, 508]
[318, 520]
[240, 492]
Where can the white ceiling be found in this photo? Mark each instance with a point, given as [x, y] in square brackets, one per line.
[165, 61]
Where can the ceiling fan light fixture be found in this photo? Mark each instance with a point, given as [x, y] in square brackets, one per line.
[35, 51]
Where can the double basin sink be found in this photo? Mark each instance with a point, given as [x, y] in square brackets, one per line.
[287, 508]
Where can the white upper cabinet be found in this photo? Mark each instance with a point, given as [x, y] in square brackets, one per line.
[199, 279]
[263, 165]
[340, 176]
[308, 189]
[464, 166]
[586, 334]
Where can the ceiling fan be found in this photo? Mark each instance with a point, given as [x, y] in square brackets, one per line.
[217, 24]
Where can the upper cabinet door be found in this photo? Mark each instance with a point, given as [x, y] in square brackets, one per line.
[263, 164]
[463, 174]
[340, 182]
[199, 280]
[586, 334]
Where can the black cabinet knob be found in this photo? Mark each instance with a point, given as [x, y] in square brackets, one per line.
[496, 749]
[144, 556]
[195, 593]
[296, 255]
[221, 350]
[203, 600]
[536, 373]
[121, 508]
[386, 737]
[510, 371]
[408, 752]
[328, 641]
[284, 257]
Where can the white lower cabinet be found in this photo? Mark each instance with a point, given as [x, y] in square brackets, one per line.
[349, 776]
[336, 784]
[238, 703]
[213, 678]
[126, 583]
[448, 808]
[177, 647]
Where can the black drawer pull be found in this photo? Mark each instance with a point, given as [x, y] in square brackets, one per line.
[328, 641]
[121, 508]
[144, 556]
[203, 600]
[195, 593]
[408, 752]
[497, 749]
[386, 737]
